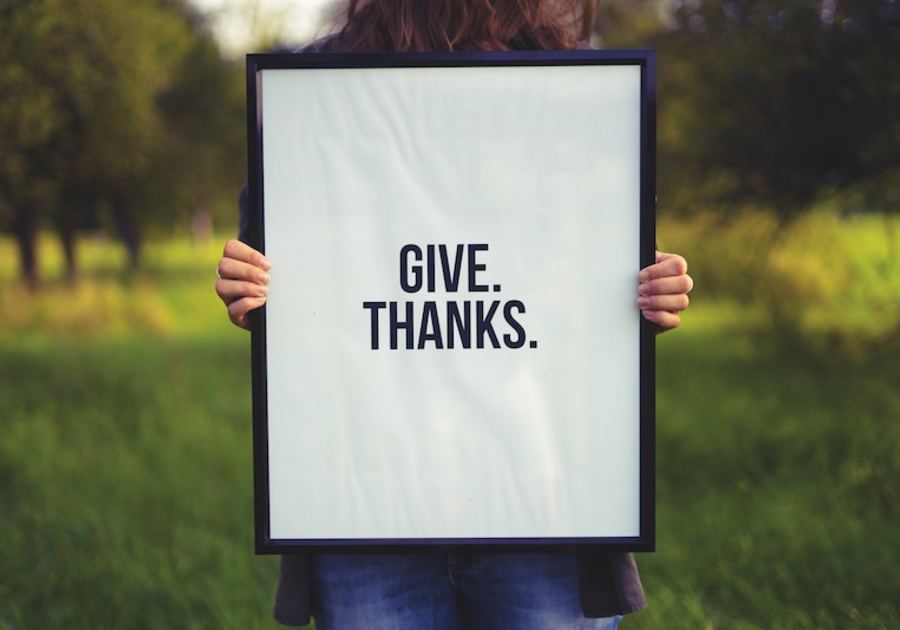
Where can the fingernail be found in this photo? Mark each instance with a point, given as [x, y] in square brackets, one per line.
[266, 263]
[264, 277]
[643, 302]
[642, 288]
[264, 289]
[642, 276]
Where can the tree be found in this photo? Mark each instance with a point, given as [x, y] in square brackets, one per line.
[772, 102]
[205, 116]
[95, 120]
[28, 121]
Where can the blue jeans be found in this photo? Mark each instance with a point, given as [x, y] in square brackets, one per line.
[455, 591]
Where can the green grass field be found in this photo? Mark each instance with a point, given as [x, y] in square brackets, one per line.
[125, 463]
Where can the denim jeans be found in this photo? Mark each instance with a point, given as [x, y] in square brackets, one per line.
[450, 591]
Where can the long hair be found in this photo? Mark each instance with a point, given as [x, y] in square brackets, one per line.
[449, 25]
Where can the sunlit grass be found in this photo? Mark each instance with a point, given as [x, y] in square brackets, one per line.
[826, 284]
[171, 294]
[125, 458]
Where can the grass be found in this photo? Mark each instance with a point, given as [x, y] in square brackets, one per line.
[777, 490]
[125, 459]
[127, 498]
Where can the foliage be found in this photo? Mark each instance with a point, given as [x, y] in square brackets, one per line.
[96, 67]
[205, 144]
[825, 284]
[770, 103]
[629, 23]
[124, 114]
[118, 109]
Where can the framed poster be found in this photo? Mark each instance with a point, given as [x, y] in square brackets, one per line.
[450, 353]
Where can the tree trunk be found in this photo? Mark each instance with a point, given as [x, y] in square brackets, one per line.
[67, 236]
[26, 236]
[128, 231]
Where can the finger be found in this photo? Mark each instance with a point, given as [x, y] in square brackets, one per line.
[663, 302]
[672, 265]
[234, 269]
[241, 251]
[230, 290]
[660, 256]
[669, 285]
[237, 310]
[663, 319]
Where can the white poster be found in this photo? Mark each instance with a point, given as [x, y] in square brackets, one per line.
[451, 336]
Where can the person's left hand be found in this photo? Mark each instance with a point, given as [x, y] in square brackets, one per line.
[663, 290]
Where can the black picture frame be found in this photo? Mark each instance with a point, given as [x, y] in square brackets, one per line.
[645, 59]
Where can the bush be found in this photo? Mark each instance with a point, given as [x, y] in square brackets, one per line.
[823, 283]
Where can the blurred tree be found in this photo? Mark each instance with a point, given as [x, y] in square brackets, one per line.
[28, 120]
[204, 112]
[773, 102]
[629, 23]
[97, 67]
[113, 116]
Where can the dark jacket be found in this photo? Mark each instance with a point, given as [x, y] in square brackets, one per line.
[609, 583]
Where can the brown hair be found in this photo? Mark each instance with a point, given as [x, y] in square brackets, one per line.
[448, 25]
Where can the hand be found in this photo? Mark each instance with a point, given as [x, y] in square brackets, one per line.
[244, 281]
[663, 290]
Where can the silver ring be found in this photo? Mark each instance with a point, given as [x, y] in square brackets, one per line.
[218, 275]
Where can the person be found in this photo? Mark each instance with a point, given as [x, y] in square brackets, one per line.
[574, 588]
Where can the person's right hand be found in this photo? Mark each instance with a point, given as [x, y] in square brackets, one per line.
[244, 282]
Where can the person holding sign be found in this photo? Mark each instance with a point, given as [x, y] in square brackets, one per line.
[574, 588]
